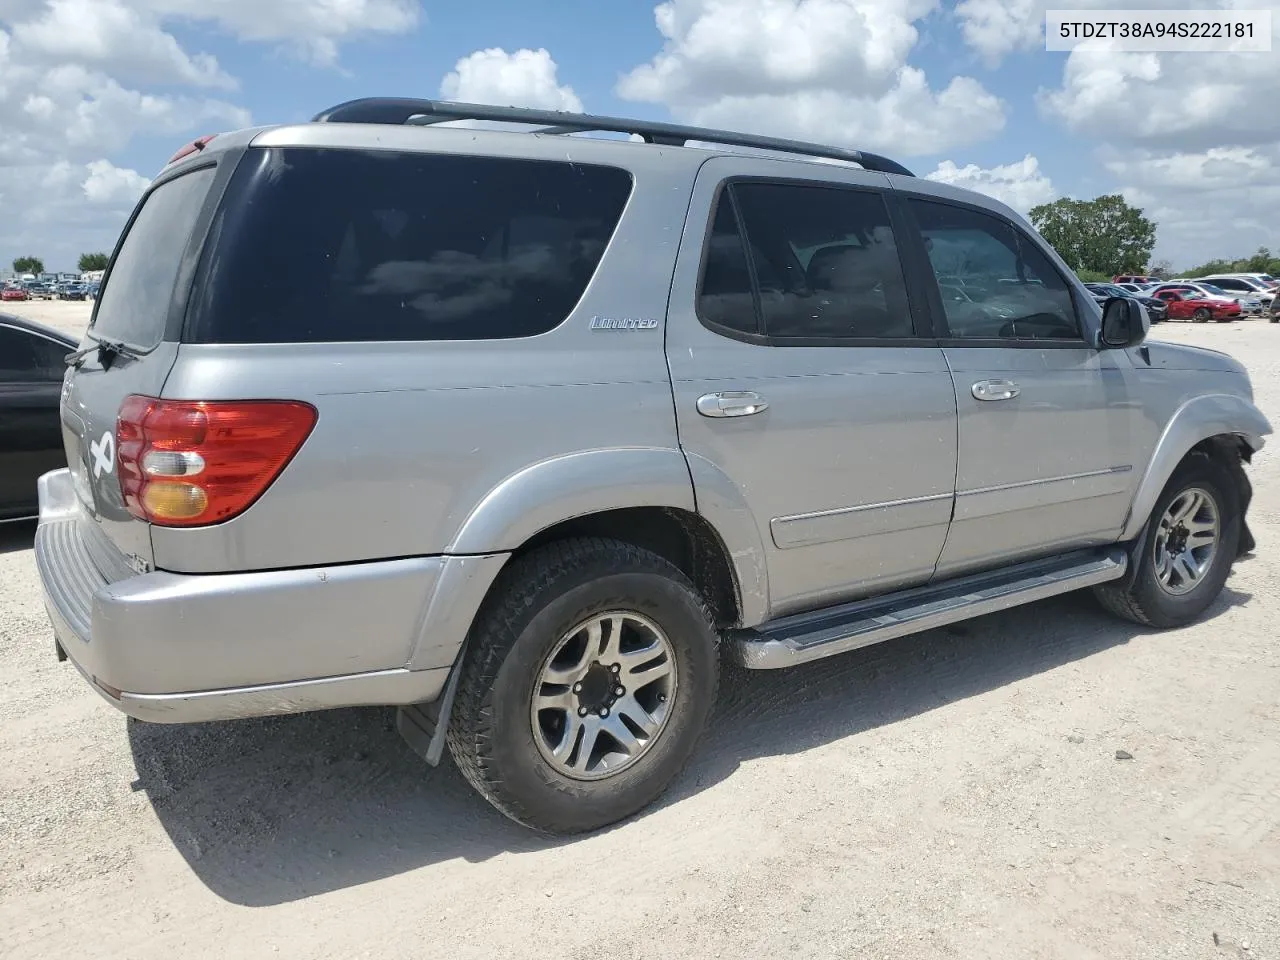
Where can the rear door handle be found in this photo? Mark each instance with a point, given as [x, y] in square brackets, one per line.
[995, 390]
[731, 403]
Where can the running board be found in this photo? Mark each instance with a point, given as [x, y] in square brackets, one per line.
[822, 633]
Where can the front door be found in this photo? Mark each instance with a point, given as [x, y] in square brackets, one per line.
[800, 380]
[1045, 419]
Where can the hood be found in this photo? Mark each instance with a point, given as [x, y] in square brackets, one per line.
[1176, 356]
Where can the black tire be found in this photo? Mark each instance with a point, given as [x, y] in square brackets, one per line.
[1200, 315]
[536, 600]
[1146, 601]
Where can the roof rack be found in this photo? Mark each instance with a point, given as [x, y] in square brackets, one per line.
[397, 110]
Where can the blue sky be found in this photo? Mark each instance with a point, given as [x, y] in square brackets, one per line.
[96, 94]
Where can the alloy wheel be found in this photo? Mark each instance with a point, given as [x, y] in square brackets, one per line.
[603, 695]
[1186, 541]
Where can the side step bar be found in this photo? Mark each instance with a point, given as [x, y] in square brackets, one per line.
[822, 633]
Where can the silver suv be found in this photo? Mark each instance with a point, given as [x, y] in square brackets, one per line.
[523, 431]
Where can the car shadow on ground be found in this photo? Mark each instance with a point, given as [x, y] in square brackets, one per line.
[275, 810]
[17, 535]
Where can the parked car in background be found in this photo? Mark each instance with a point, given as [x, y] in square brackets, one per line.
[14, 292]
[39, 290]
[32, 363]
[1186, 302]
[1156, 308]
[1132, 278]
[1242, 286]
[72, 291]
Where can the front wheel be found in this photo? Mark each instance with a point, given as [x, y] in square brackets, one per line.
[1201, 315]
[1189, 546]
[589, 676]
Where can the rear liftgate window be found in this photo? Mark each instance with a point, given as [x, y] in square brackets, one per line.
[342, 245]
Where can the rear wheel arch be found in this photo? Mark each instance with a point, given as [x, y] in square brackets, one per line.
[684, 538]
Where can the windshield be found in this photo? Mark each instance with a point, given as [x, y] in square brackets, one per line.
[1216, 291]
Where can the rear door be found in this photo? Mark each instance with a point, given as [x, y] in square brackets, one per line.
[142, 295]
[800, 379]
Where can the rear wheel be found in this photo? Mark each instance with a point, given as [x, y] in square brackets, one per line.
[1190, 544]
[588, 679]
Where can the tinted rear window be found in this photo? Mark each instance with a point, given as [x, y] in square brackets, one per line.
[133, 305]
[334, 245]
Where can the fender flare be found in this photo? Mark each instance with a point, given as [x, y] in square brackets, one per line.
[1196, 420]
[594, 481]
[574, 485]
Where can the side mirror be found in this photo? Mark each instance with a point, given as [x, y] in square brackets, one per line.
[1124, 323]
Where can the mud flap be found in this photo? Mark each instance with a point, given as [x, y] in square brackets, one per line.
[423, 725]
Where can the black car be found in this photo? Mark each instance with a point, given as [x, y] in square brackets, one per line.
[1157, 309]
[31, 367]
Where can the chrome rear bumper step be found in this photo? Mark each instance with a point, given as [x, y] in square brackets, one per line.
[811, 636]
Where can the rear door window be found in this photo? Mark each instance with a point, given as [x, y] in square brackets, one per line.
[133, 304]
[824, 262]
[344, 245]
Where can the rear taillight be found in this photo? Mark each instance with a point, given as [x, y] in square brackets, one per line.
[187, 463]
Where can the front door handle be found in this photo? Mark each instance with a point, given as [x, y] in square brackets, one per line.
[995, 390]
[732, 403]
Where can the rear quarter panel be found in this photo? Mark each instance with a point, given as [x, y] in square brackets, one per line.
[413, 436]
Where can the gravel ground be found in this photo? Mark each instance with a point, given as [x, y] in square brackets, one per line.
[957, 793]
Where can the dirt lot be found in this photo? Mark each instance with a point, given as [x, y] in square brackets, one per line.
[951, 794]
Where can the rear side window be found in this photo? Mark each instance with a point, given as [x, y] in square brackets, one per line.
[133, 304]
[342, 245]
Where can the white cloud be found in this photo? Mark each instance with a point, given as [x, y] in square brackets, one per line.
[81, 79]
[826, 70]
[106, 183]
[526, 78]
[1207, 204]
[1180, 100]
[314, 27]
[1021, 185]
[107, 33]
[997, 27]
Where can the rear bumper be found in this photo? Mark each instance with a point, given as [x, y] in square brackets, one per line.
[175, 648]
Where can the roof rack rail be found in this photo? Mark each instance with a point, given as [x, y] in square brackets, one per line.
[398, 110]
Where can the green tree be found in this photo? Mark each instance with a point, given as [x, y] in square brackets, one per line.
[1162, 268]
[93, 261]
[28, 265]
[1262, 261]
[1102, 235]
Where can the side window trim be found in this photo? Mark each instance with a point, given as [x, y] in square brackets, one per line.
[921, 325]
[937, 318]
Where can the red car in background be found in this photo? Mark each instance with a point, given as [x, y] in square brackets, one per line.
[1188, 303]
[13, 293]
